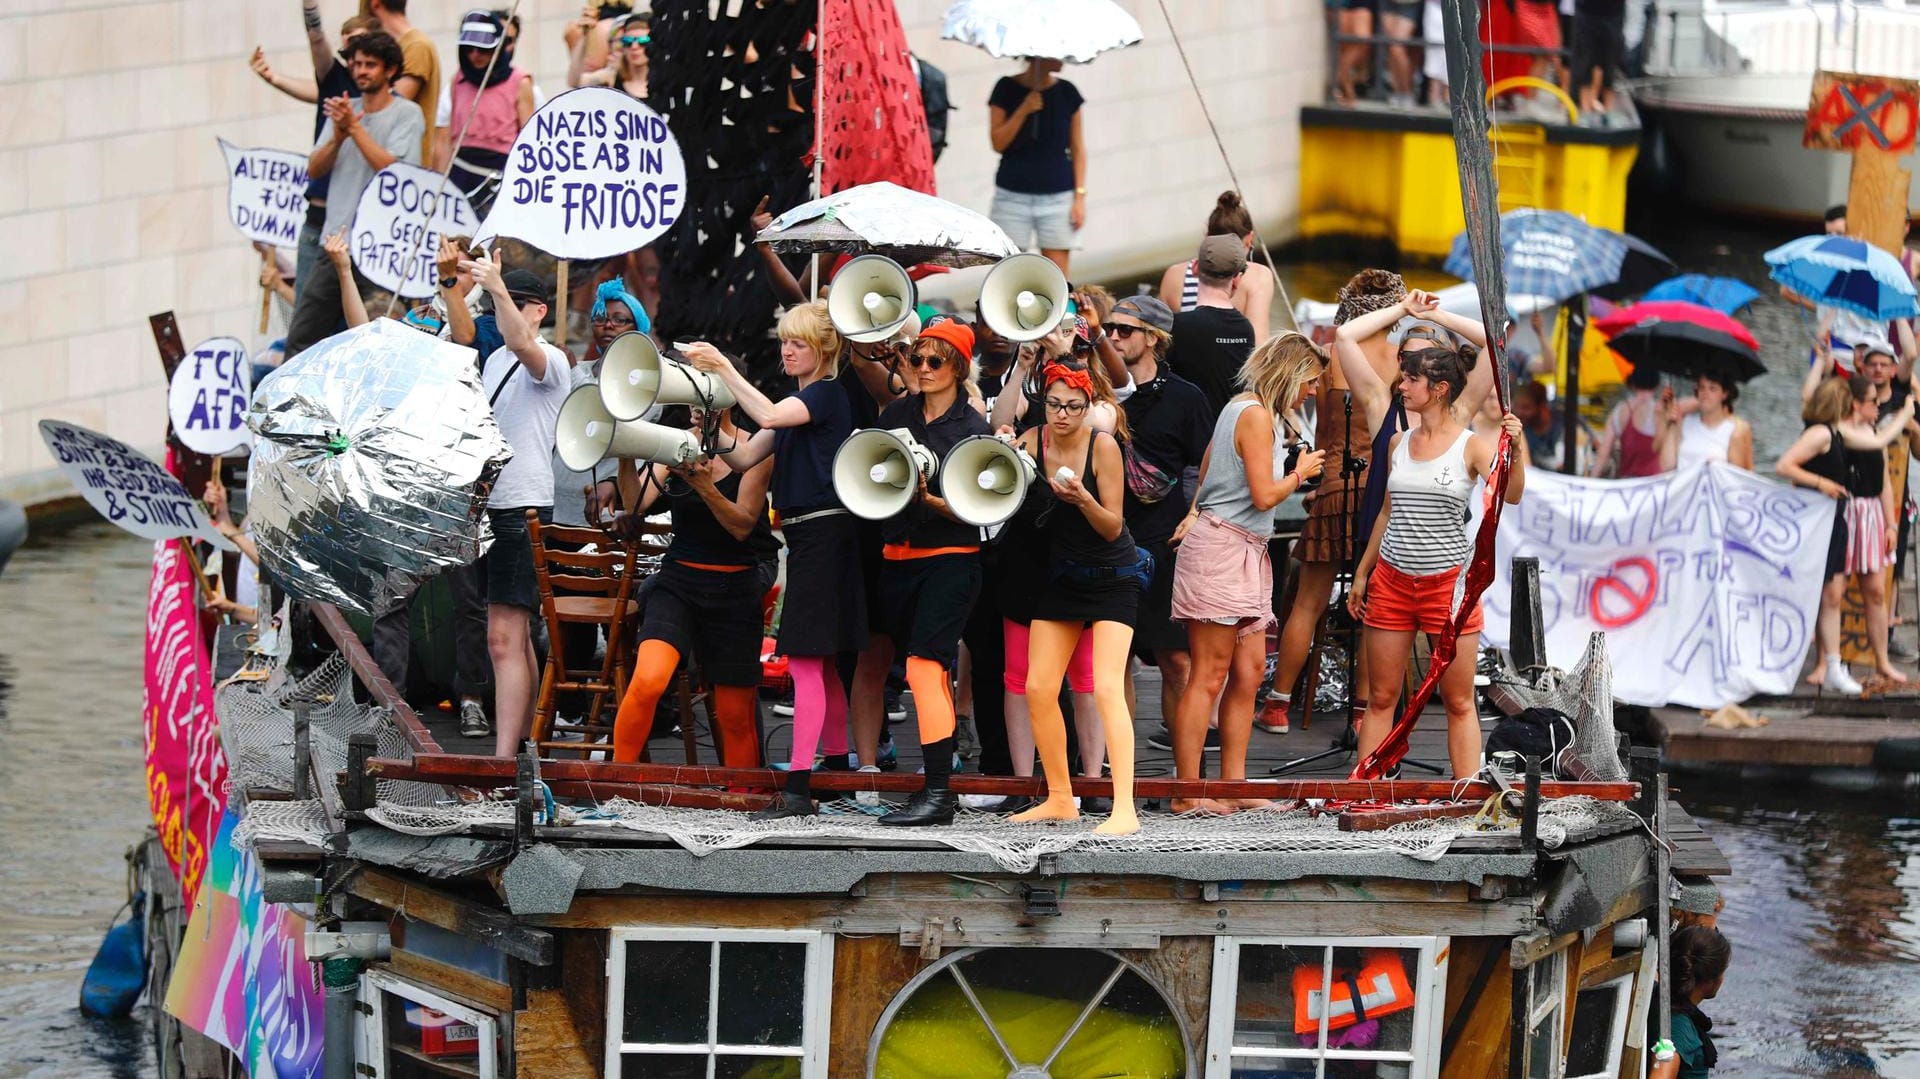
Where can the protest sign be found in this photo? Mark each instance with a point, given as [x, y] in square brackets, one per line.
[126, 486]
[186, 765]
[594, 174]
[266, 193]
[1706, 581]
[207, 398]
[398, 225]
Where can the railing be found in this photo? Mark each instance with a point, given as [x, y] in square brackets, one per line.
[1701, 37]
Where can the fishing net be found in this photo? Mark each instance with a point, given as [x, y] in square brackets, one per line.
[1585, 695]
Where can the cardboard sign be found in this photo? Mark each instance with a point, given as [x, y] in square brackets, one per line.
[266, 193]
[207, 398]
[127, 487]
[1861, 112]
[398, 225]
[594, 174]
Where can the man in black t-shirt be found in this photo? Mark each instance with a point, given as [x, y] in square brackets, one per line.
[1212, 341]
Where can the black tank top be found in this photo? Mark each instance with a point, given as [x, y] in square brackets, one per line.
[698, 536]
[1070, 535]
[1861, 472]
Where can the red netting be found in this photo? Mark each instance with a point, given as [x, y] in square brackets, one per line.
[871, 118]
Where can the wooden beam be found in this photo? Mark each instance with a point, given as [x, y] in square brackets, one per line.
[1601, 973]
[458, 769]
[1374, 820]
[489, 925]
[376, 681]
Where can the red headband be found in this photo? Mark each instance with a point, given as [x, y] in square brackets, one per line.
[1075, 377]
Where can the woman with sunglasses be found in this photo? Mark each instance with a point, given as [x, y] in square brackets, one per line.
[485, 104]
[627, 71]
[930, 573]
[1419, 546]
[1094, 573]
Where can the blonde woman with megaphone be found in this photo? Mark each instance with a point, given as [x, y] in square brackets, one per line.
[825, 608]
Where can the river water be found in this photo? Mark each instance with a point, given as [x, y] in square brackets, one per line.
[1823, 909]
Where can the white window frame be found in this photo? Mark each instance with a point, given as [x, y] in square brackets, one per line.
[1622, 1010]
[1554, 967]
[1429, 985]
[373, 1020]
[816, 1009]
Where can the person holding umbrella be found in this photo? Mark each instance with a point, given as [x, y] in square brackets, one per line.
[1040, 188]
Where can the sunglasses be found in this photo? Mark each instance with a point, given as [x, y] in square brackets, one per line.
[1120, 331]
[642, 39]
[930, 362]
[1069, 408]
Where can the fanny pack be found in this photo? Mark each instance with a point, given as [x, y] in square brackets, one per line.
[1141, 570]
[1145, 482]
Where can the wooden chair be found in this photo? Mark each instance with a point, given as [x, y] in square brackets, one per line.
[579, 586]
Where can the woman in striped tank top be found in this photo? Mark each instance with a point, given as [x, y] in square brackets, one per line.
[1405, 583]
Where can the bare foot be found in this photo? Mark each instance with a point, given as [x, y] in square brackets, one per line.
[1893, 675]
[1053, 809]
[1206, 807]
[1123, 821]
[1818, 677]
[1250, 803]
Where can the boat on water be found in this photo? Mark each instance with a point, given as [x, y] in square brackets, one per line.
[1726, 90]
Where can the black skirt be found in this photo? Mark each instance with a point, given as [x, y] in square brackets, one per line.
[1069, 598]
[824, 611]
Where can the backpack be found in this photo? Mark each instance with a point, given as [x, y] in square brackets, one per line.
[933, 95]
[1543, 733]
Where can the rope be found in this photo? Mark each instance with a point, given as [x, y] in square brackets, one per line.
[453, 155]
[1286, 303]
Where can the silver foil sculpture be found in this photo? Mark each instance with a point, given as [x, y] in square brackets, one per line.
[374, 455]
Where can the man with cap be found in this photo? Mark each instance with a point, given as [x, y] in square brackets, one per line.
[1211, 341]
[526, 380]
[1170, 421]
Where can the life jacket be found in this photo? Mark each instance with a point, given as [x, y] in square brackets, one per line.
[1380, 988]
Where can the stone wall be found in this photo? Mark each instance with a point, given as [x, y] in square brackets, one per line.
[113, 198]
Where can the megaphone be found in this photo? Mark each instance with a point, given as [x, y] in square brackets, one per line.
[877, 472]
[1024, 297]
[634, 377]
[987, 479]
[871, 299]
[587, 434]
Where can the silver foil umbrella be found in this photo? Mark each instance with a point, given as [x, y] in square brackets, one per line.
[907, 226]
[374, 453]
[1073, 30]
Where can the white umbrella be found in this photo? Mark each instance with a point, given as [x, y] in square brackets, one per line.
[1073, 30]
[886, 219]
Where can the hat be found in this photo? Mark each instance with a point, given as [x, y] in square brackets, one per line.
[480, 29]
[1148, 309]
[1874, 343]
[1222, 256]
[524, 285]
[954, 332]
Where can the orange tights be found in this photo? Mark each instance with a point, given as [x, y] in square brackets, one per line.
[732, 708]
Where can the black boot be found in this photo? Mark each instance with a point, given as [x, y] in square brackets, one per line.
[795, 801]
[924, 808]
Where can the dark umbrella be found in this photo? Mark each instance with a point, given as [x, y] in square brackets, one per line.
[1682, 339]
[1555, 254]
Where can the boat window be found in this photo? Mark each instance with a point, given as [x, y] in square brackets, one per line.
[411, 1032]
[1599, 1029]
[718, 1004]
[1029, 1011]
[1275, 1017]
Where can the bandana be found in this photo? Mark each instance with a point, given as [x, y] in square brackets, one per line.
[1074, 377]
[615, 289]
[1354, 304]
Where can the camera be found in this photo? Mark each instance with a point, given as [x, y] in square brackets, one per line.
[1307, 483]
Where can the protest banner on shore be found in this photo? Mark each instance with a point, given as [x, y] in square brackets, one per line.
[1706, 581]
[126, 486]
[266, 193]
[397, 227]
[207, 397]
[593, 174]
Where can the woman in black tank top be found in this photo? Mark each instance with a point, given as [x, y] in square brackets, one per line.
[1093, 581]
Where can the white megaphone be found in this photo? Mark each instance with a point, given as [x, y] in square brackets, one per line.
[872, 297]
[586, 434]
[986, 479]
[877, 472]
[634, 377]
[1024, 297]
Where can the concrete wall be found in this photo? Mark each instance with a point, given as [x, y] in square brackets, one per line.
[113, 198]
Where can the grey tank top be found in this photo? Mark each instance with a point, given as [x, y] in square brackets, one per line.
[1225, 493]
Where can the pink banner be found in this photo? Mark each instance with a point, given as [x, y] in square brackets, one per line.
[186, 767]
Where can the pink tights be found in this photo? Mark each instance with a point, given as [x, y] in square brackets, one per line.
[819, 709]
[1079, 668]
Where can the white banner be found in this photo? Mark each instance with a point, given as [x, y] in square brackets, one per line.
[126, 486]
[594, 174]
[1706, 581]
[207, 399]
[266, 193]
[398, 225]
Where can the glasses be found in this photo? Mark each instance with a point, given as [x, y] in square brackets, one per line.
[1066, 408]
[609, 320]
[642, 39]
[1120, 331]
[928, 361]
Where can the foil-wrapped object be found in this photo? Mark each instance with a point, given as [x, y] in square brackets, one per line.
[886, 219]
[1071, 30]
[374, 453]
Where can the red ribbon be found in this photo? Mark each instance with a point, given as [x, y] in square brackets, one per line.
[1075, 377]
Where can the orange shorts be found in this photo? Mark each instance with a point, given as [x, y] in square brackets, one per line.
[1401, 601]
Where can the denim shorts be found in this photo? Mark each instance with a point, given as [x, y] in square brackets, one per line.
[1043, 219]
[508, 564]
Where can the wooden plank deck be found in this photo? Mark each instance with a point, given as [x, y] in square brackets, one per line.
[1793, 738]
[1694, 851]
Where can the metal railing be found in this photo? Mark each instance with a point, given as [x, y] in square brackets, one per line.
[1699, 37]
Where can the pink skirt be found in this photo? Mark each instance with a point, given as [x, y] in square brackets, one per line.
[1223, 576]
[1866, 536]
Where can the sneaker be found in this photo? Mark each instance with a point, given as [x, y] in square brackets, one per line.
[1272, 716]
[896, 710]
[473, 720]
[1163, 739]
[889, 758]
[868, 798]
[783, 706]
[1840, 680]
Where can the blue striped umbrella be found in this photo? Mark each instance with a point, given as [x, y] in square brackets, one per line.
[1852, 275]
[1557, 255]
[1724, 294]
